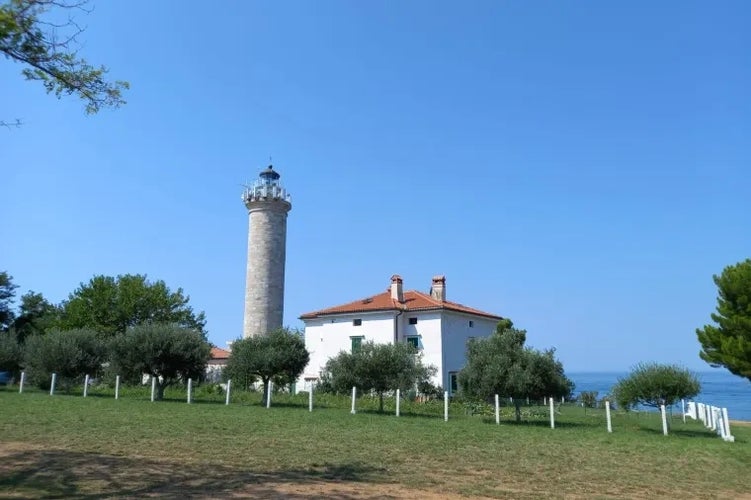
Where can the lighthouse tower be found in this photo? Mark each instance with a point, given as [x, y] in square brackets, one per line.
[268, 203]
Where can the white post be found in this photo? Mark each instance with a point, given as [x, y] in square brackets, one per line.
[563, 399]
[397, 402]
[229, 387]
[683, 409]
[497, 411]
[268, 396]
[527, 400]
[117, 387]
[310, 397]
[354, 395]
[707, 418]
[712, 422]
[544, 400]
[153, 387]
[52, 387]
[85, 385]
[728, 436]
[552, 416]
[719, 423]
[446, 406]
[607, 415]
[664, 420]
[190, 388]
[20, 384]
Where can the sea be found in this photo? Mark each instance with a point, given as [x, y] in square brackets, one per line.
[719, 388]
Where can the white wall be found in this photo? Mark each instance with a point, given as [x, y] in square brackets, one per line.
[455, 332]
[428, 329]
[442, 337]
[327, 337]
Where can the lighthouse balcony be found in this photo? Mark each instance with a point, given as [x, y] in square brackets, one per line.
[265, 192]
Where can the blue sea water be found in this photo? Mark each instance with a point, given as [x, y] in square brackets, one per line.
[719, 388]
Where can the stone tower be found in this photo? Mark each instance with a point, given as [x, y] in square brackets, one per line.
[268, 203]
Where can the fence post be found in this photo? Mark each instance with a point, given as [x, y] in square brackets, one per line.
[728, 436]
[552, 413]
[226, 397]
[354, 395]
[683, 409]
[190, 388]
[664, 420]
[607, 415]
[153, 387]
[397, 402]
[446, 406]
[497, 411]
[268, 396]
[85, 385]
[52, 387]
[117, 387]
[310, 397]
[20, 384]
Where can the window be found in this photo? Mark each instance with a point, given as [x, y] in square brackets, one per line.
[356, 344]
[357, 322]
[415, 341]
[412, 321]
[471, 324]
[453, 386]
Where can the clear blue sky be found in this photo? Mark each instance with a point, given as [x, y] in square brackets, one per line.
[579, 167]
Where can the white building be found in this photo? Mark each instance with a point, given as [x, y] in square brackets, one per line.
[437, 327]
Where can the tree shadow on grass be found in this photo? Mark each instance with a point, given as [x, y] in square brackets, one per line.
[69, 474]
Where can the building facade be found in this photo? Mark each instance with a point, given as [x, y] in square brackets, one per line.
[268, 204]
[438, 328]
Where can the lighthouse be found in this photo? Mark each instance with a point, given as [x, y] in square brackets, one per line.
[268, 204]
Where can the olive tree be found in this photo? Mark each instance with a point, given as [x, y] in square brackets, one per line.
[501, 364]
[279, 355]
[70, 354]
[168, 353]
[653, 384]
[377, 367]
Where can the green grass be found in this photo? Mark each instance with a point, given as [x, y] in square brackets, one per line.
[68, 446]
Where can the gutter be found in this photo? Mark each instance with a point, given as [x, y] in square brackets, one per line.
[396, 326]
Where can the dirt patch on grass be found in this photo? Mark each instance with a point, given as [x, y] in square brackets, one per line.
[31, 471]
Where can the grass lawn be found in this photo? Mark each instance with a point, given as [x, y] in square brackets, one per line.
[67, 446]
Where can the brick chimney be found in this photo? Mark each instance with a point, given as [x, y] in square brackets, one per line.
[397, 293]
[438, 288]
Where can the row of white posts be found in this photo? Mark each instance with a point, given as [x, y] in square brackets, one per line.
[713, 418]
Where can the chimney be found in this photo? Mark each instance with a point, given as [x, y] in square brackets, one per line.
[438, 288]
[397, 293]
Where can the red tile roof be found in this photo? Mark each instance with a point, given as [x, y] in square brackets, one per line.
[413, 301]
[218, 353]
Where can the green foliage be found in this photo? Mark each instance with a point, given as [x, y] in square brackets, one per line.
[7, 294]
[70, 354]
[501, 364]
[728, 343]
[280, 355]
[112, 305]
[588, 399]
[653, 384]
[378, 368]
[36, 315]
[49, 51]
[167, 352]
[11, 355]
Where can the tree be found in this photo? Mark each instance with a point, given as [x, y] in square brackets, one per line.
[35, 316]
[377, 367]
[7, 294]
[728, 343]
[653, 384]
[112, 305]
[49, 50]
[70, 354]
[11, 354]
[167, 352]
[280, 355]
[501, 364]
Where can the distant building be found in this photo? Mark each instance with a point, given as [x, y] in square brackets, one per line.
[216, 364]
[438, 328]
